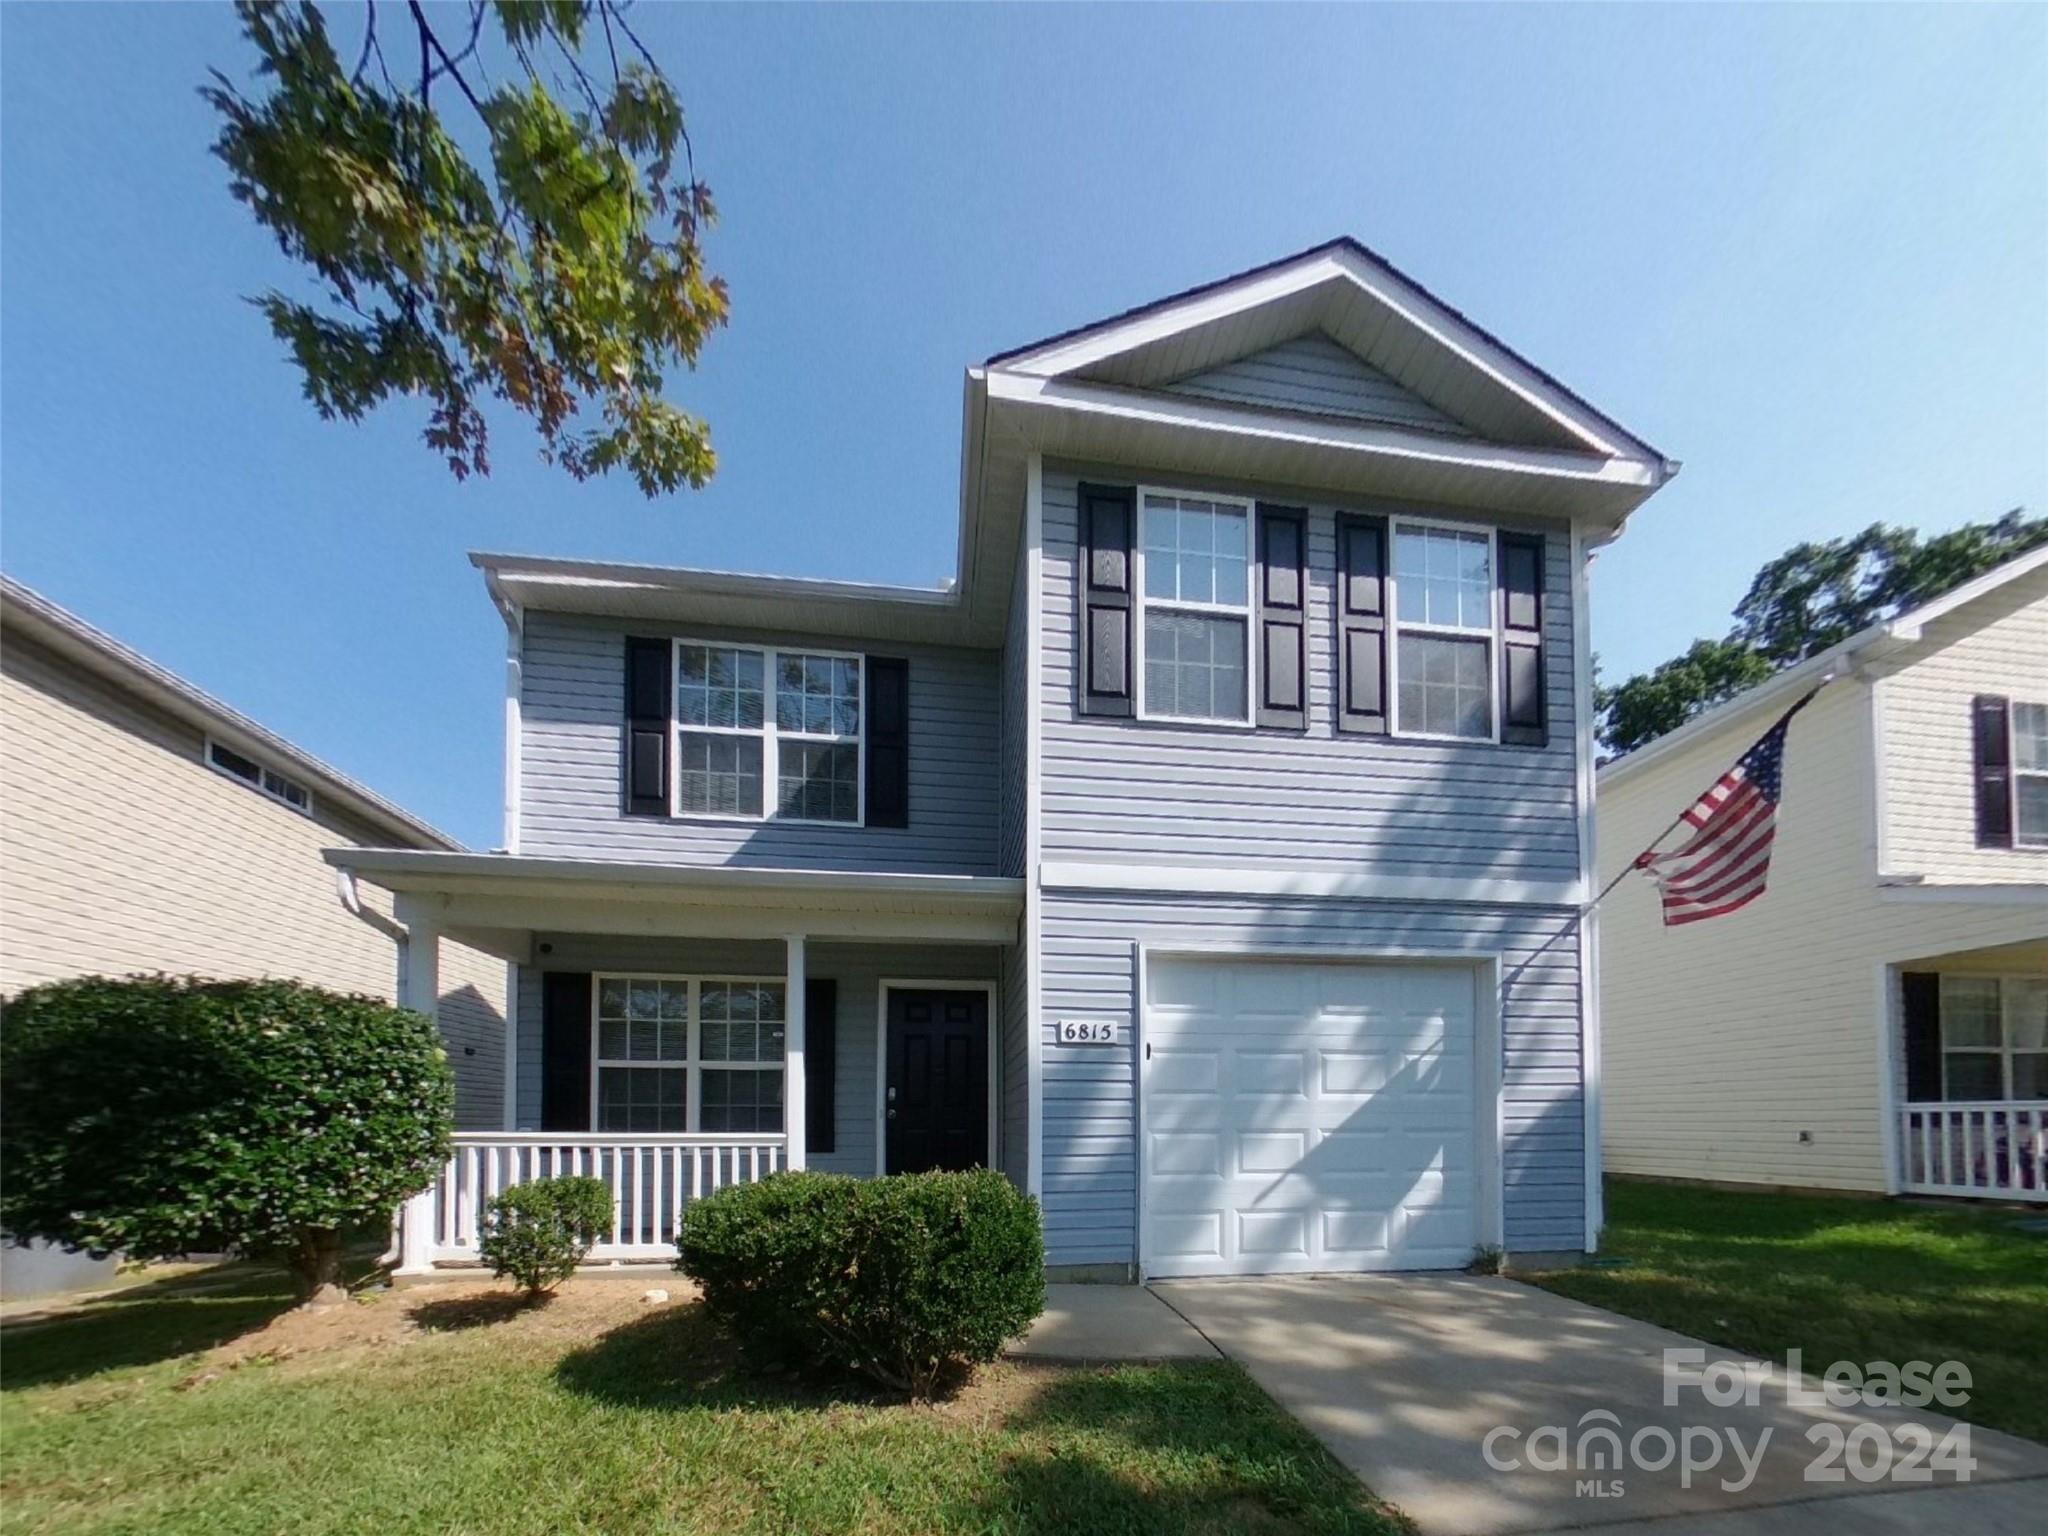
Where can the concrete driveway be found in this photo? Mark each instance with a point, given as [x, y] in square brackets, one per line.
[1405, 1378]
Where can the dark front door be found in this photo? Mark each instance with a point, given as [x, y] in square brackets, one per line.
[935, 1101]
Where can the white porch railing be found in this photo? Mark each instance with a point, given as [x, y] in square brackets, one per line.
[1997, 1149]
[651, 1179]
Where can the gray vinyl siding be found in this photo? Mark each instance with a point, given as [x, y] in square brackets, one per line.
[1088, 967]
[1013, 1073]
[1136, 791]
[1315, 374]
[858, 968]
[570, 768]
[1015, 742]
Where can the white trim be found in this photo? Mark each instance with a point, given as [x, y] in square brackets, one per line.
[1489, 1076]
[1586, 786]
[1399, 626]
[2018, 894]
[2012, 755]
[264, 774]
[1911, 624]
[769, 734]
[1244, 612]
[1876, 781]
[1112, 402]
[993, 1050]
[515, 672]
[1405, 298]
[1180, 879]
[1034, 829]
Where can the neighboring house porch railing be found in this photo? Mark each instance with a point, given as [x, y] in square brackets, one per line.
[1994, 1148]
[651, 1177]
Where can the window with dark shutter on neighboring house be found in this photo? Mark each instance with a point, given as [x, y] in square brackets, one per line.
[2009, 756]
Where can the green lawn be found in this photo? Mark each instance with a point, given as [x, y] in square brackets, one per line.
[1841, 1279]
[156, 1412]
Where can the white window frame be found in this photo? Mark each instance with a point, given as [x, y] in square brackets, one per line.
[1397, 626]
[693, 1064]
[264, 774]
[2005, 1050]
[1247, 612]
[2012, 756]
[768, 734]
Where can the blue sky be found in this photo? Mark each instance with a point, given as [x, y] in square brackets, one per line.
[1804, 250]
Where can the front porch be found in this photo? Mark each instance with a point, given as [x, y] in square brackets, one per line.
[1971, 1066]
[674, 1031]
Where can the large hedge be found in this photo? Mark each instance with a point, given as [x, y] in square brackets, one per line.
[159, 1115]
[907, 1279]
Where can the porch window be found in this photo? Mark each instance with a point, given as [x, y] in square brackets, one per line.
[1444, 643]
[2030, 775]
[1994, 1037]
[681, 1053]
[765, 733]
[1195, 559]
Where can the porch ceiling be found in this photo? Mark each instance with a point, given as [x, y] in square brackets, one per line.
[499, 900]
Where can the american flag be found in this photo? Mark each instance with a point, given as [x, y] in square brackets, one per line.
[1724, 864]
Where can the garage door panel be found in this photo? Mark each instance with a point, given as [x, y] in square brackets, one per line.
[1269, 1072]
[1305, 1116]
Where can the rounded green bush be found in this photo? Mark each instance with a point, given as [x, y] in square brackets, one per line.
[538, 1232]
[907, 1279]
[157, 1115]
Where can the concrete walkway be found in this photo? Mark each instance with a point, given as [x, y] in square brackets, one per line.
[1109, 1322]
[1404, 1378]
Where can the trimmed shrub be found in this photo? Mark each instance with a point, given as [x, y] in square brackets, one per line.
[908, 1279]
[159, 1115]
[538, 1233]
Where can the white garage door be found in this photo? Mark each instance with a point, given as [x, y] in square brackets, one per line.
[1308, 1116]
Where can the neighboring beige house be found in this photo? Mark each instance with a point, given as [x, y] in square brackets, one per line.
[145, 826]
[1878, 1019]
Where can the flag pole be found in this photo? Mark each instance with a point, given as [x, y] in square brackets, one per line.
[1636, 863]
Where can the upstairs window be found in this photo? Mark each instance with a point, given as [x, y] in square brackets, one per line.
[1444, 632]
[2030, 775]
[1195, 559]
[765, 733]
[268, 781]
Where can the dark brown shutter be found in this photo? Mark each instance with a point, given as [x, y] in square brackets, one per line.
[1105, 610]
[1523, 721]
[1283, 617]
[1992, 723]
[888, 790]
[1361, 624]
[821, 1059]
[1923, 1035]
[565, 1051]
[648, 692]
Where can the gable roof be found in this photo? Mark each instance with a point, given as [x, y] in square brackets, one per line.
[1888, 637]
[1365, 303]
[64, 632]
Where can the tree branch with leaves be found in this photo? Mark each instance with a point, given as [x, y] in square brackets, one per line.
[558, 270]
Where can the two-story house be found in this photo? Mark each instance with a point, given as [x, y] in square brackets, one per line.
[1207, 855]
[1878, 1019]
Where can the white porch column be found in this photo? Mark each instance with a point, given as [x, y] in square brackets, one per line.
[421, 992]
[793, 1054]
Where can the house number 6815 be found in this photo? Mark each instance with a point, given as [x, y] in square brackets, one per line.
[1087, 1032]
